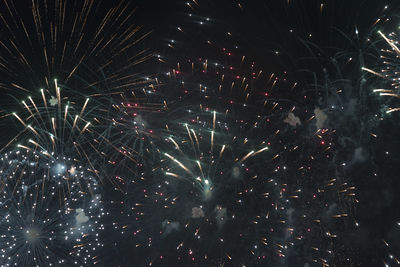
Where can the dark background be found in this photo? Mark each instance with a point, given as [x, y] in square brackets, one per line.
[260, 28]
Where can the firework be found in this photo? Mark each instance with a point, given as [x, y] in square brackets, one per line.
[85, 56]
[60, 129]
[245, 172]
[132, 127]
[201, 174]
[218, 162]
[82, 44]
[43, 221]
[389, 71]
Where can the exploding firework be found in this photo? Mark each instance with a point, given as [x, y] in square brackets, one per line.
[389, 71]
[226, 175]
[132, 123]
[221, 162]
[91, 45]
[199, 176]
[57, 127]
[245, 173]
[43, 221]
[77, 52]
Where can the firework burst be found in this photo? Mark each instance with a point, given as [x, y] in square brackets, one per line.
[218, 161]
[59, 128]
[389, 71]
[201, 167]
[81, 43]
[44, 221]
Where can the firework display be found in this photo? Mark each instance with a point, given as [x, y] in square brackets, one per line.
[74, 42]
[223, 150]
[60, 129]
[236, 134]
[44, 221]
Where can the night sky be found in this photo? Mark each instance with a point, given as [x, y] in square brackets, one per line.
[199, 133]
